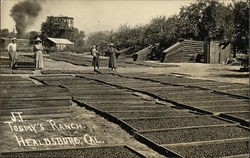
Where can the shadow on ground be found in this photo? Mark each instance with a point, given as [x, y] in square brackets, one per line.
[243, 75]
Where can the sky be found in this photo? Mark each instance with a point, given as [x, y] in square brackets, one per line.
[97, 15]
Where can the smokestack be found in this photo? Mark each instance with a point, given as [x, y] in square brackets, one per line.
[24, 14]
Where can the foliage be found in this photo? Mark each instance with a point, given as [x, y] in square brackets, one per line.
[5, 33]
[77, 37]
[203, 20]
[32, 36]
[74, 35]
[241, 21]
[98, 38]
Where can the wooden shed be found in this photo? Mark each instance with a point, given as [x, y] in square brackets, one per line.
[183, 51]
[143, 54]
[215, 54]
[58, 44]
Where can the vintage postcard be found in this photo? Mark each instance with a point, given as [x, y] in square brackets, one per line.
[124, 78]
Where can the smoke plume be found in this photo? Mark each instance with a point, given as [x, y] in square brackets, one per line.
[24, 14]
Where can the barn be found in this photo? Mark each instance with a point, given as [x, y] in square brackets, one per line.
[58, 44]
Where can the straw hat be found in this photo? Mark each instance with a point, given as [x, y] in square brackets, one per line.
[38, 39]
[111, 44]
[14, 39]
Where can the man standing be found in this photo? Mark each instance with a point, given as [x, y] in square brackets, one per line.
[12, 54]
[95, 54]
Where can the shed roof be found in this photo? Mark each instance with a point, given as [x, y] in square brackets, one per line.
[169, 48]
[60, 40]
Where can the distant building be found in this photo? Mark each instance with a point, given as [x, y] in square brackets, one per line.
[58, 27]
[22, 44]
[58, 44]
[60, 22]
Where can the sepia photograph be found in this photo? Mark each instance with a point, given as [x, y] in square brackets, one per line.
[124, 79]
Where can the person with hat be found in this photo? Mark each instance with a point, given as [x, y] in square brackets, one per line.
[38, 48]
[112, 55]
[95, 54]
[11, 48]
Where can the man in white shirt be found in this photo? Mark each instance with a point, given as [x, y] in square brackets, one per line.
[12, 53]
[95, 54]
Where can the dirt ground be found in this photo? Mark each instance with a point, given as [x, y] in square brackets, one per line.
[105, 131]
[217, 72]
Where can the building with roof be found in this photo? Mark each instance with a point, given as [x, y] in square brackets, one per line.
[22, 44]
[58, 44]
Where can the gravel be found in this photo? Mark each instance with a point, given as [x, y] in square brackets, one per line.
[96, 92]
[37, 103]
[227, 108]
[132, 108]
[198, 98]
[241, 115]
[149, 124]
[105, 152]
[105, 97]
[34, 111]
[34, 95]
[111, 101]
[189, 95]
[151, 114]
[122, 104]
[212, 103]
[10, 78]
[213, 150]
[196, 134]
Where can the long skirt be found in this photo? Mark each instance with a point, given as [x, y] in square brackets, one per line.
[112, 61]
[39, 59]
[95, 61]
[13, 59]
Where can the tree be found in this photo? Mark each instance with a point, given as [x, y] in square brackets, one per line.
[155, 32]
[98, 38]
[203, 20]
[240, 39]
[48, 29]
[32, 36]
[77, 37]
[5, 33]
[206, 20]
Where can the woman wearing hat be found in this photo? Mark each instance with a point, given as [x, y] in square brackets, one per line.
[12, 53]
[112, 54]
[38, 53]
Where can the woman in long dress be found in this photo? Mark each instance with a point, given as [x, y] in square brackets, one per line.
[38, 48]
[112, 56]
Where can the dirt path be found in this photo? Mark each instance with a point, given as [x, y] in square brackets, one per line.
[217, 72]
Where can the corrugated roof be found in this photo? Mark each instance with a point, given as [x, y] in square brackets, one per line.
[60, 40]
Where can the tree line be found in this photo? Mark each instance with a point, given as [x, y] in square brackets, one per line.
[203, 20]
